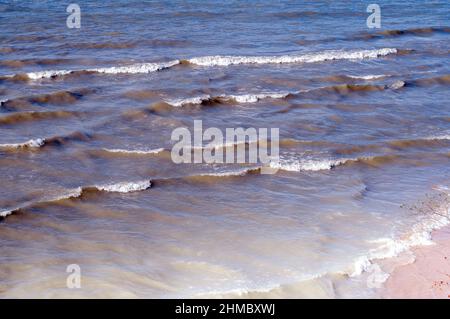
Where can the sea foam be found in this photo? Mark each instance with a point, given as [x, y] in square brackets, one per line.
[138, 152]
[223, 60]
[33, 143]
[219, 60]
[125, 187]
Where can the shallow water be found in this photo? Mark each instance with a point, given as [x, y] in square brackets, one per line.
[86, 120]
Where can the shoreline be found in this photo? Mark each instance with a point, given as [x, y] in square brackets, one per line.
[426, 275]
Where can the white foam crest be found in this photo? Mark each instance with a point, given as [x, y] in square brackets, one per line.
[46, 74]
[253, 98]
[420, 235]
[125, 187]
[33, 143]
[241, 172]
[218, 60]
[224, 61]
[136, 68]
[212, 146]
[140, 152]
[129, 69]
[368, 77]
[298, 165]
[6, 213]
[244, 98]
[192, 100]
[74, 193]
[438, 137]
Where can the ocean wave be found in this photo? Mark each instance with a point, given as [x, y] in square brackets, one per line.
[55, 98]
[240, 172]
[137, 68]
[74, 193]
[244, 98]
[438, 80]
[33, 143]
[295, 164]
[218, 60]
[368, 77]
[121, 187]
[34, 116]
[27, 62]
[430, 141]
[124, 187]
[137, 152]
[190, 101]
[342, 89]
[6, 213]
[253, 98]
[438, 137]
[299, 165]
[49, 141]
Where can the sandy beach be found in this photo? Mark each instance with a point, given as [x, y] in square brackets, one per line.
[428, 276]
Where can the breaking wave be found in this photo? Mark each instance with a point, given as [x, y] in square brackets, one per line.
[27, 103]
[299, 165]
[135, 152]
[245, 98]
[303, 58]
[217, 60]
[342, 89]
[50, 141]
[75, 193]
[122, 187]
[34, 143]
[436, 217]
[294, 164]
[126, 69]
[368, 77]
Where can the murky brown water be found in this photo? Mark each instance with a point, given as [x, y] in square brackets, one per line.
[86, 175]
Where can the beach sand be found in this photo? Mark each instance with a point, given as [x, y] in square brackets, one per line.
[428, 276]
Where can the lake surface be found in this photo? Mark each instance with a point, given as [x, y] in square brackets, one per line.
[87, 114]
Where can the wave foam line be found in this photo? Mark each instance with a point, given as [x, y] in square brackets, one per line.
[369, 76]
[122, 187]
[420, 236]
[127, 69]
[75, 193]
[256, 97]
[244, 98]
[218, 60]
[241, 172]
[309, 165]
[438, 138]
[138, 152]
[33, 143]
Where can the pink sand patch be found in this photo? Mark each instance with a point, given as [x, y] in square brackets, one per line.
[428, 276]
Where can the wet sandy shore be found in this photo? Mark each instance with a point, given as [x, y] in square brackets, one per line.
[428, 276]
